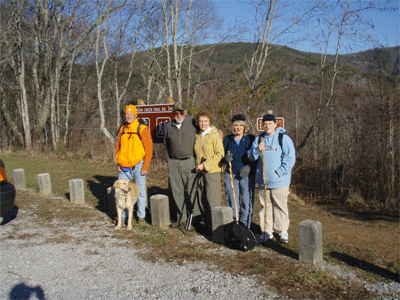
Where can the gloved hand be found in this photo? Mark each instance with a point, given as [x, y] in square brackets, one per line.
[244, 172]
[228, 158]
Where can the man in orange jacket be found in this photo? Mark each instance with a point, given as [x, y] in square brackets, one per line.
[134, 153]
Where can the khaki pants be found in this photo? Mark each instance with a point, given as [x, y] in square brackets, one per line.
[277, 209]
[181, 177]
[210, 195]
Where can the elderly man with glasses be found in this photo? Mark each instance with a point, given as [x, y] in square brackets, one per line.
[179, 138]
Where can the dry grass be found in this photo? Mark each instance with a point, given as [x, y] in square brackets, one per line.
[271, 264]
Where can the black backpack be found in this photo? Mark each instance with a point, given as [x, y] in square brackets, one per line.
[239, 237]
[280, 138]
[141, 122]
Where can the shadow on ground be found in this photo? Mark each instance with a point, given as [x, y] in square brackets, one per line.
[25, 292]
[279, 248]
[99, 190]
[365, 216]
[366, 266]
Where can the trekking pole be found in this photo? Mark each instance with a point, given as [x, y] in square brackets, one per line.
[233, 189]
[265, 189]
[189, 220]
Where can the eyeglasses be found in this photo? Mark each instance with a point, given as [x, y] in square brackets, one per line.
[178, 112]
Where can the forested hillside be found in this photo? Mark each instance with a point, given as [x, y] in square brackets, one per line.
[65, 92]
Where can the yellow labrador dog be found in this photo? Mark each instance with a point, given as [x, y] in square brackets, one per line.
[126, 195]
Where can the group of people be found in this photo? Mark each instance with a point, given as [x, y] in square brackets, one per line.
[197, 153]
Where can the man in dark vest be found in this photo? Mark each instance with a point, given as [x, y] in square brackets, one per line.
[179, 138]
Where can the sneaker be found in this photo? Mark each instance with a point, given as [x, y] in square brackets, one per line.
[265, 236]
[141, 221]
[284, 237]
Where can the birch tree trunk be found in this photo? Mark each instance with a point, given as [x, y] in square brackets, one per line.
[19, 70]
[102, 56]
[167, 50]
[142, 14]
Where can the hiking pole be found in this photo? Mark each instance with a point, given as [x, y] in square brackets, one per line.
[265, 189]
[233, 189]
[189, 220]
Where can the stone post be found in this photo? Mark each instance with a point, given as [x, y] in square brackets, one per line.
[310, 242]
[220, 216]
[160, 211]
[44, 183]
[76, 191]
[19, 178]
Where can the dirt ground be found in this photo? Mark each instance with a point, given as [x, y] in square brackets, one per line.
[365, 245]
[364, 240]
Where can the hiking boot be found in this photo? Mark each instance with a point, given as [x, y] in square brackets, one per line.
[284, 237]
[177, 225]
[265, 236]
[141, 221]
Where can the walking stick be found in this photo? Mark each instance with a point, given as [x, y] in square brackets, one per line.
[265, 189]
[233, 190]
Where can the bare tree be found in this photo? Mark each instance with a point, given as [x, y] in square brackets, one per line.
[131, 20]
[274, 20]
[340, 20]
[45, 36]
[186, 25]
[16, 38]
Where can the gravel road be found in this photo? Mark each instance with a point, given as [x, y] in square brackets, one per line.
[90, 264]
[85, 261]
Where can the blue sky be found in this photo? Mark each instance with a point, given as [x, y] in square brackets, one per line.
[386, 30]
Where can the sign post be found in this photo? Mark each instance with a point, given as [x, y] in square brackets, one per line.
[156, 117]
[279, 123]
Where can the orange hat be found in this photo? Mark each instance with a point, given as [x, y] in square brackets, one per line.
[130, 109]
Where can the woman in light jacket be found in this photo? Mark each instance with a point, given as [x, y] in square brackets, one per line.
[209, 151]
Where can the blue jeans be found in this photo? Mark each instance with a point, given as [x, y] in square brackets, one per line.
[244, 192]
[134, 175]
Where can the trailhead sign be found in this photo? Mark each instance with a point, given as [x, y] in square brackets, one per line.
[156, 117]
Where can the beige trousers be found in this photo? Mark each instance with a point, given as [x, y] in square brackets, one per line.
[277, 209]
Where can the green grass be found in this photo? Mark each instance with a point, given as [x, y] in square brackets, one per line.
[96, 174]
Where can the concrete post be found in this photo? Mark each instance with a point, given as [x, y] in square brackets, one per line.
[19, 178]
[76, 191]
[112, 209]
[44, 183]
[220, 216]
[310, 242]
[159, 205]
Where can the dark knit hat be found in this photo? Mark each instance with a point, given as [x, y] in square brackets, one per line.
[238, 118]
[269, 117]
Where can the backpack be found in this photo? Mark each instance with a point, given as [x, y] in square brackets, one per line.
[141, 121]
[239, 237]
[280, 138]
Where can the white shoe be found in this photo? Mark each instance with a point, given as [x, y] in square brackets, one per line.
[265, 236]
[284, 237]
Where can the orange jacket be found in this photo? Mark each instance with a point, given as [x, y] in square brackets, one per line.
[133, 147]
